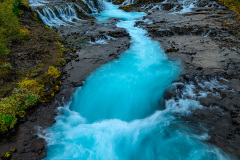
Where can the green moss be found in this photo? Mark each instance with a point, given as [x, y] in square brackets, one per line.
[233, 5]
[35, 72]
[57, 38]
[92, 22]
[5, 89]
[48, 28]
[28, 93]
[163, 21]
[118, 2]
[24, 92]
[60, 61]
[153, 30]
[14, 106]
[126, 8]
[35, 16]
[9, 26]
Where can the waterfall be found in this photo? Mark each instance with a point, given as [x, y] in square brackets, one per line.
[184, 6]
[61, 13]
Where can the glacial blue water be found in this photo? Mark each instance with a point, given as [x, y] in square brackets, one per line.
[118, 113]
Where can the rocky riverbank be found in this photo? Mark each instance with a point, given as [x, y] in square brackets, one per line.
[206, 41]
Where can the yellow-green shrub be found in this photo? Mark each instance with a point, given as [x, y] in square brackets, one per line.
[10, 107]
[233, 5]
[53, 72]
[23, 33]
[25, 98]
[24, 3]
[28, 93]
[32, 85]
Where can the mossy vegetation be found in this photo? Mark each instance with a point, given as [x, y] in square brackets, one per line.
[117, 2]
[60, 61]
[6, 156]
[26, 44]
[35, 72]
[9, 26]
[28, 93]
[126, 8]
[10, 29]
[173, 49]
[233, 5]
[163, 21]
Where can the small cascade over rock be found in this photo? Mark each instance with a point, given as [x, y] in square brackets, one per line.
[65, 13]
[175, 6]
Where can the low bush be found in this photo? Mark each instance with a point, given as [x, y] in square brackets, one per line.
[32, 85]
[28, 93]
[233, 5]
[14, 106]
[53, 72]
[23, 33]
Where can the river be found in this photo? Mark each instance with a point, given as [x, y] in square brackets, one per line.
[119, 112]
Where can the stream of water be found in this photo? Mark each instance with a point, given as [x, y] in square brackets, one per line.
[119, 113]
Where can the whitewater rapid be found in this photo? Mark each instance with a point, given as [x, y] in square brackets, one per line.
[119, 111]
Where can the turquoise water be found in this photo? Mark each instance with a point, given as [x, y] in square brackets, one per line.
[118, 113]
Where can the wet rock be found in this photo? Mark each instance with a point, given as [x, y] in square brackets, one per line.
[113, 20]
[169, 94]
[92, 39]
[202, 3]
[167, 6]
[210, 100]
[77, 84]
[117, 34]
[25, 143]
[33, 119]
[33, 137]
[230, 135]
[234, 113]
[37, 146]
[25, 150]
[236, 121]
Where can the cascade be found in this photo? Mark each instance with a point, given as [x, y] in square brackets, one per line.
[61, 13]
[117, 113]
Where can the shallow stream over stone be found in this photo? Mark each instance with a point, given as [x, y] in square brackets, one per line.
[119, 112]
